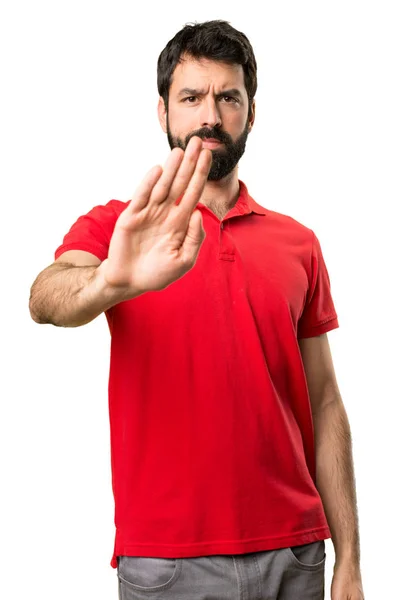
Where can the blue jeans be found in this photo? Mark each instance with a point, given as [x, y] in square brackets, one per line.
[295, 573]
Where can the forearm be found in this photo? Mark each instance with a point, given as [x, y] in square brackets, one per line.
[70, 296]
[335, 479]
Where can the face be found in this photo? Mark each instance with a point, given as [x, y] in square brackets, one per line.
[209, 99]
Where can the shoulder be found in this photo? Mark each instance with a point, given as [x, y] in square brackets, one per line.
[103, 216]
[288, 227]
[111, 210]
[279, 221]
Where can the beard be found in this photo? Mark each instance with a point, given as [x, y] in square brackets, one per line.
[223, 160]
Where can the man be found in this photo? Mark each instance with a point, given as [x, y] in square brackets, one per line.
[230, 444]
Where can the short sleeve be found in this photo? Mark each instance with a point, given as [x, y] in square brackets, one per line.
[319, 314]
[92, 232]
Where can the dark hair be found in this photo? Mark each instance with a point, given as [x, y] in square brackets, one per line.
[215, 40]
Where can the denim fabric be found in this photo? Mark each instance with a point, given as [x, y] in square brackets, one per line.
[293, 573]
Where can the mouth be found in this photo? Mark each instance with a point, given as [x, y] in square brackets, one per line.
[211, 143]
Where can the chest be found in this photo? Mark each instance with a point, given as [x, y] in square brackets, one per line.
[243, 276]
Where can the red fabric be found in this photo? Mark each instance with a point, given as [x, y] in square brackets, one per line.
[212, 446]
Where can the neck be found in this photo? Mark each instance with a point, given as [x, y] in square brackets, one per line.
[220, 196]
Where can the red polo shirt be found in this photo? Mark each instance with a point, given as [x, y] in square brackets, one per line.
[212, 446]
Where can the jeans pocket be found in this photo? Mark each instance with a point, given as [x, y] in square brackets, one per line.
[309, 557]
[148, 573]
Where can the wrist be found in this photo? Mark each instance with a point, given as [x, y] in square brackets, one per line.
[112, 294]
[348, 559]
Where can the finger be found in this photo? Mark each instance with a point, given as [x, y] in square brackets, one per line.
[142, 194]
[186, 169]
[162, 188]
[197, 183]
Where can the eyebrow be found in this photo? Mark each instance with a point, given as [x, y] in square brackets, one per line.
[193, 92]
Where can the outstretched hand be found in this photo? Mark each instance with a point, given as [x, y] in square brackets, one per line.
[156, 241]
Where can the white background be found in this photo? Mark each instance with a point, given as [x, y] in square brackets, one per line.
[79, 127]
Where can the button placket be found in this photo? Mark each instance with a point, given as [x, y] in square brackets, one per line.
[226, 246]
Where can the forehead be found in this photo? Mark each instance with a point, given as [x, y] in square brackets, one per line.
[191, 72]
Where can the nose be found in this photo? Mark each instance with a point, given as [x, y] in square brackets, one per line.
[210, 116]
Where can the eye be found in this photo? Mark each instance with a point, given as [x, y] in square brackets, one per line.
[233, 100]
[189, 98]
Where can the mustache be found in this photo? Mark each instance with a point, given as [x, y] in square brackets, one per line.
[205, 133]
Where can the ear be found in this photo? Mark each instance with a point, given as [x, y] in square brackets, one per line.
[252, 115]
[162, 114]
